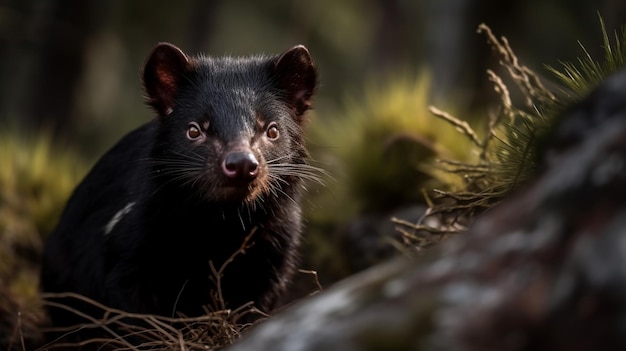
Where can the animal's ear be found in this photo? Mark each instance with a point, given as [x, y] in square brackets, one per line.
[162, 75]
[297, 77]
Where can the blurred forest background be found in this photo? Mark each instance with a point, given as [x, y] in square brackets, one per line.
[69, 83]
[73, 65]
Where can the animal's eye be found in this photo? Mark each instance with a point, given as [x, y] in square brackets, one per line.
[193, 131]
[272, 132]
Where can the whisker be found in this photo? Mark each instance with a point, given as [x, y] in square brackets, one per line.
[303, 171]
[185, 169]
[282, 157]
[277, 178]
[280, 191]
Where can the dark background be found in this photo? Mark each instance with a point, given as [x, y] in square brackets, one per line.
[73, 66]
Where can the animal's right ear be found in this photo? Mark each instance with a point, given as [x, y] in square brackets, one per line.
[162, 75]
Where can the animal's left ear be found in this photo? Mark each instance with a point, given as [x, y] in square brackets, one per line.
[297, 77]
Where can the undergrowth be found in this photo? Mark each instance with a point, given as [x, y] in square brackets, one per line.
[121, 330]
[509, 152]
[377, 146]
[36, 179]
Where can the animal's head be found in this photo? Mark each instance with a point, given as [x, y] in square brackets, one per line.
[232, 128]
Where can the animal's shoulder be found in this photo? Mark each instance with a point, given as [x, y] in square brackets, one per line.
[115, 179]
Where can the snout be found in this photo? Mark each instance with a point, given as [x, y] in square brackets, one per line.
[240, 166]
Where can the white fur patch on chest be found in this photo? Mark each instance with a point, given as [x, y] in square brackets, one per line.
[118, 217]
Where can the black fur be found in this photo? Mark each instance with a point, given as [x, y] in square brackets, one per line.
[139, 232]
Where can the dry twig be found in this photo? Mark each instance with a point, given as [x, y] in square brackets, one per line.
[133, 331]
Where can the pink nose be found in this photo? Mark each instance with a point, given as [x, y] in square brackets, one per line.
[240, 166]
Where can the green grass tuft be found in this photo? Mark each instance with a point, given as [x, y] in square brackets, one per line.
[509, 153]
[379, 143]
[36, 178]
[580, 77]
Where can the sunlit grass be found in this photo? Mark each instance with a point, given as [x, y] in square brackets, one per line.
[36, 179]
[377, 145]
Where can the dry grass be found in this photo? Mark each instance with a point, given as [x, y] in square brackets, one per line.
[506, 152]
[132, 331]
[121, 330]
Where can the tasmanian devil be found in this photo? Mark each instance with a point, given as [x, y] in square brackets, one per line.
[224, 161]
